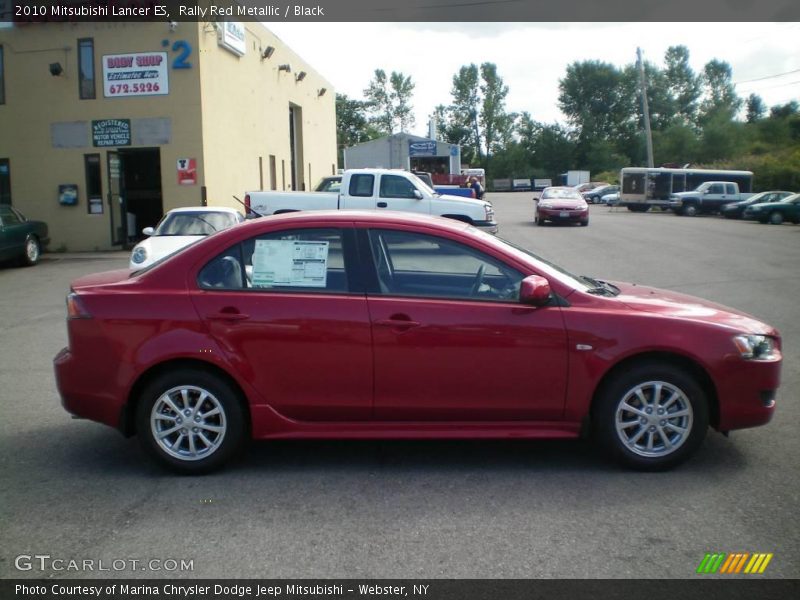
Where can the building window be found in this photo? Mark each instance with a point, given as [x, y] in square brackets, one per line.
[94, 186]
[2, 78]
[5, 181]
[86, 69]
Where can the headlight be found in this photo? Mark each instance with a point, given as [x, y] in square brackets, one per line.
[755, 347]
[583, 206]
[545, 205]
[139, 255]
[489, 213]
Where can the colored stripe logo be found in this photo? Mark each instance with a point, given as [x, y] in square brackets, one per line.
[734, 563]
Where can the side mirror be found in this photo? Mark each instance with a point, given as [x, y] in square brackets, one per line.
[417, 194]
[707, 191]
[534, 290]
[148, 231]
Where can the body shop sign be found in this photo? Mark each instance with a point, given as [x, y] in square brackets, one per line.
[111, 133]
[141, 74]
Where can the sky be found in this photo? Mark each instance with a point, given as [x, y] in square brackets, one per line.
[532, 57]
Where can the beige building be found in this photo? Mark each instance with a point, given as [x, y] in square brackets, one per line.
[106, 126]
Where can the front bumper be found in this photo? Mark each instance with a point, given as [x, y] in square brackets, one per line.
[566, 215]
[746, 392]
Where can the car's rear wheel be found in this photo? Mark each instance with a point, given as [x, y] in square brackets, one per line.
[190, 421]
[33, 251]
[776, 218]
[652, 416]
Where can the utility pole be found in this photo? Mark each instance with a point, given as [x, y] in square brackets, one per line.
[646, 108]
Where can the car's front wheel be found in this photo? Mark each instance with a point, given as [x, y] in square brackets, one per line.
[190, 421]
[776, 218]
[652, 416]
[33, 251]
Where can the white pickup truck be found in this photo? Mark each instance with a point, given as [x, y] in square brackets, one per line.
[377, 189]
[709, 197]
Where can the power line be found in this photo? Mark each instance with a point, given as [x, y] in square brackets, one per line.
[767, 77]
[771, 87]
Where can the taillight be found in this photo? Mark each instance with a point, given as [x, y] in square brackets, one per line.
[75, 309]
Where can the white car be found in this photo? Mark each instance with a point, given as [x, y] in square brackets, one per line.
[179, 228]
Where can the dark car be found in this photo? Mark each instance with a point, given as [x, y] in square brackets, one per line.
[561, 204]
[595, 195]
[776, 213]
[331, 183]
[735, 210]
[21, 239]
[373, 325]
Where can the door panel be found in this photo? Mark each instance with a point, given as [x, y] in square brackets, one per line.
[450, 340]
[308, 355]
[465, 361]
[293, 322]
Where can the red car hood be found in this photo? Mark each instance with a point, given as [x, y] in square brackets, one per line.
[675, 304]
[103, 278]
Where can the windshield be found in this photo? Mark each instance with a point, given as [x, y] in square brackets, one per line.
[549, 268]
[421, 185]
[561, 194]
[194, 223]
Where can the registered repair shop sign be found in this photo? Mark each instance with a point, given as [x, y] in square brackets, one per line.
[111, 133]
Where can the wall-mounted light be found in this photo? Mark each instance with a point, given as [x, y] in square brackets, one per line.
[300, 76]
[321, 92]
[286, 67]
[268, 52]
[56, 69]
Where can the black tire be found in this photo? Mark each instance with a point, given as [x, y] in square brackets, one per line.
[775, 218]
[32, 252]
[689, 210]
[175, 454]
[653, 428]
[584, 223]
[539, 221]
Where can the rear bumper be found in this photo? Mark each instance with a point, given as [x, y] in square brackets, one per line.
[80, 393]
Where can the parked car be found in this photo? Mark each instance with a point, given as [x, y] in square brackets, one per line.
[709, 197]
[21, 239]
[595, 196]
[331, 183]
[611, 199]
[366, 324]
[735, 210]
[589, 186]
[776, 213]
[561, 204]
[179, 228]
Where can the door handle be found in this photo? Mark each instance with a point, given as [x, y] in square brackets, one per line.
[382, 205]
[227, 315]
[397, 323]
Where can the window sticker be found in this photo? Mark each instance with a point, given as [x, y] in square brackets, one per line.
[290, 263]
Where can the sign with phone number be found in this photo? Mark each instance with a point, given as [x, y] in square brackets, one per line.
[135, 74]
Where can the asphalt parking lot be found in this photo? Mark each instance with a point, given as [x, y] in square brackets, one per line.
[77, 490]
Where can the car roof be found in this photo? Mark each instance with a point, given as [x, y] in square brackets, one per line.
[205, 209]
[366, 217]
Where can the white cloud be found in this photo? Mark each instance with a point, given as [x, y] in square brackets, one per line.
[532, 57]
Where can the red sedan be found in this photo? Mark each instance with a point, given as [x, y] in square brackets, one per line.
[380, 325]
[561, 204]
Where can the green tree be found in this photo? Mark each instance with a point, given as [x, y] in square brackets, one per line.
[352, 124]
[719, 91]
[683, 84]
[755, 108]
[466, 108]
[389, 101]
[494, 120]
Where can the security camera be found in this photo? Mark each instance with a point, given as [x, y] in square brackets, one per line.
[173, 25]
